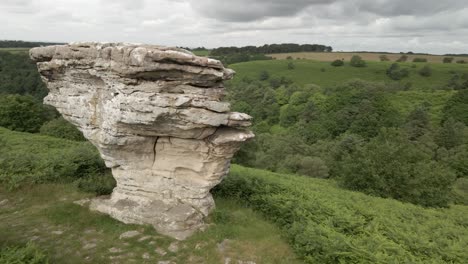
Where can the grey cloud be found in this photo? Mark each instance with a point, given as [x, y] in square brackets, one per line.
[250, 10]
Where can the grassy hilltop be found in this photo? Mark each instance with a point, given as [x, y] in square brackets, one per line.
[323, 222]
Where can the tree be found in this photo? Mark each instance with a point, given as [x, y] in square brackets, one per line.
[61, 128]
[337, 63]
[403, 58]
[396, 73]
[451, 134]
[313, 166]
[448, 59]
[392, 166]
[418, 123]
[457, 107]
[22, 113]
[357, 61]
[384, 58]
[264, 75]
[425, 71]
[419, 60]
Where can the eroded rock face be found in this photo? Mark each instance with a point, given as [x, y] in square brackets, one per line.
[157, 117]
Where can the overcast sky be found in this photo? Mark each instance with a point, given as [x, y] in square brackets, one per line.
[433, 26]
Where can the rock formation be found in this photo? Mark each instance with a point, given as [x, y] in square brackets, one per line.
[157, 117]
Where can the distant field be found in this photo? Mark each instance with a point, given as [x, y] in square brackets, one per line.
[331, 56]
[15, 50]
[323, 74]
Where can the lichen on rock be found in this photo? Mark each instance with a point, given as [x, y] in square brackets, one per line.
[157, 117]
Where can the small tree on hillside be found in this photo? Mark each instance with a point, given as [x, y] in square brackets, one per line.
[357, 61]
[384, 58]
[448, 60]
[337, 63]
[264, 75]
[403, 58]
[396, 73]
[425, 71]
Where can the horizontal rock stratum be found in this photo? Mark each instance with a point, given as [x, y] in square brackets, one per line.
[157, 117]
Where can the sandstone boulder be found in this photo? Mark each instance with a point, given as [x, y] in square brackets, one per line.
[157, 117]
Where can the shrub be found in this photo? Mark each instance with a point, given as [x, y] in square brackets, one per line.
[391, 166]
[425, 71]
[28, 254]
[384, 58]
[314, 167]
[357, 61]
[264, 75]
[325, 224]
[46, 159]
[419, 60]
[291, 66]
[21, 113]
[403, 58]
[461, 61]
[396, 73]
[100, 184]
[457, 107]
[448, 60]
[60, 128]
[337, 63]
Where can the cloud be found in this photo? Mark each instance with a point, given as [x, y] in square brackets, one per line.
[388, 25]
[250, 10]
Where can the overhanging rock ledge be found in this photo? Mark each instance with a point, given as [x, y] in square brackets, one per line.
[157, 117]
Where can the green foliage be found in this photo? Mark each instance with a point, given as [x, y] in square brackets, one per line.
[457, 107]
[60, 128]
[18, 75]
[418, 123]
[273, 48]
[28, 254]
[357, 61]
[326, 224]
[27, 158]
[395, 72]
[22, 113]
[451, 134]
[425, 71]
[461, 61]
[291, 66]
[264, 75]
[403, 58]
[419, 60]
[100, 184]
[384, 58]
[448, 60]
[392, 166]
[337, 63]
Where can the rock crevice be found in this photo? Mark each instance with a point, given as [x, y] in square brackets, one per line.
[157, 117]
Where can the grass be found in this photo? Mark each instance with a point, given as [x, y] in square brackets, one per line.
[331, 56]
[203, 53]
[47, 215]
[68, 233]
[326, 224]
[323, 74]
[15, 50]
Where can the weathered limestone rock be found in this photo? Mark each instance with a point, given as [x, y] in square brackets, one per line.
[157, 117]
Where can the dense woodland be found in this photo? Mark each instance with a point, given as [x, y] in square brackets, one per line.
[23, 44]
[351, 135]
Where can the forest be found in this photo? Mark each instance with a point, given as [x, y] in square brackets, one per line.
[351, 170]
